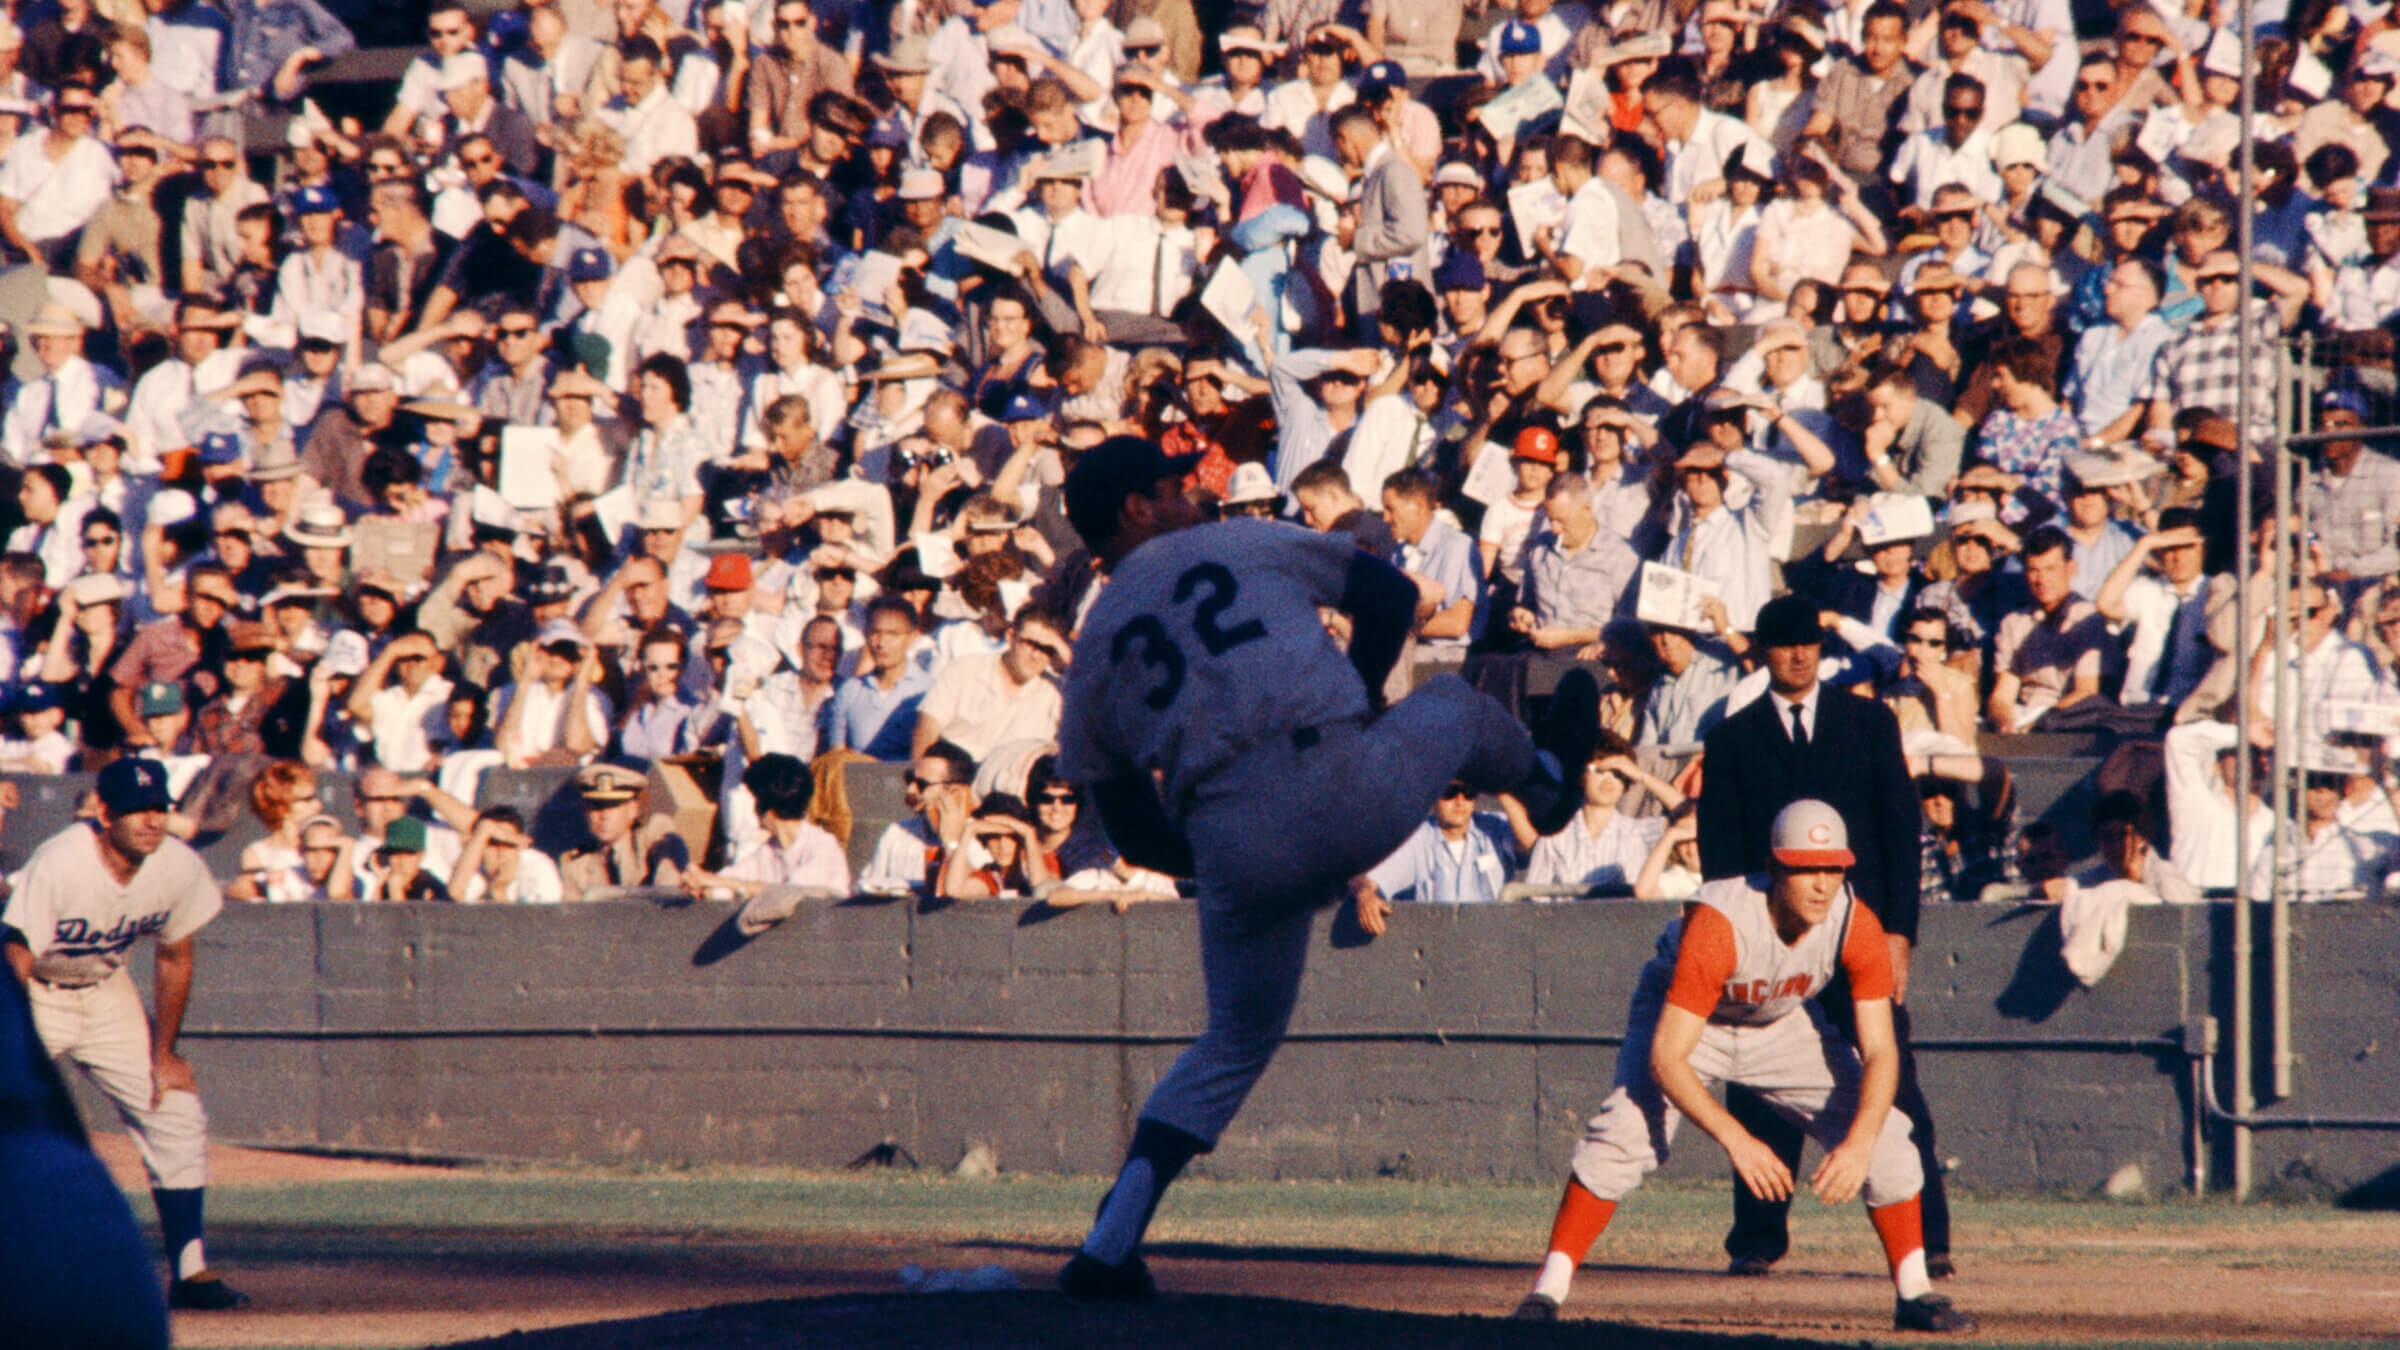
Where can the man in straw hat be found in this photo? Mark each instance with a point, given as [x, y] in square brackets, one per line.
[68, 390]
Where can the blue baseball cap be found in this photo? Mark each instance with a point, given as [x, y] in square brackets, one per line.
[1460, 272]
[591, 264]
[1024, 407]
[37, 697]
[2348, 400]
[130, 785]
[1381, 78]
[315, 201]
[1520, 39]
[220, 447]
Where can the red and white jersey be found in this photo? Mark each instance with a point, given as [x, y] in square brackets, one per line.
[1733, 969]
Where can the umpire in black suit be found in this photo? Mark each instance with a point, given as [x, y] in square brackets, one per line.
[1803, 740]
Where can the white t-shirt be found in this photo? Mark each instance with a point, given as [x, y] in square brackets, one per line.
[1508, 525]
[78, 921]
[537, 883]
[403, 724]
[57, 197]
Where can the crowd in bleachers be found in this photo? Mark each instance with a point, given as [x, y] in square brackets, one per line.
[646, 385]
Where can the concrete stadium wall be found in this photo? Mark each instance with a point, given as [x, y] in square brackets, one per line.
[1464, 1043]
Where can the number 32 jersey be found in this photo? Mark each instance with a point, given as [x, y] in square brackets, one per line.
[1204, 643]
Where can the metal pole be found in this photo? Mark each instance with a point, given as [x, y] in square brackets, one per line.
[2279, 919]
[2242, 512]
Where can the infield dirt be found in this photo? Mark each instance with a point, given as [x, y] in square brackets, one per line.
[365, 1253]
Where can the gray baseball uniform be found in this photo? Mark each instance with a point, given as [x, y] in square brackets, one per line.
[1206, 662]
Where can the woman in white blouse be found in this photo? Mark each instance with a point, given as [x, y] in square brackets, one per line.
[1809, 233]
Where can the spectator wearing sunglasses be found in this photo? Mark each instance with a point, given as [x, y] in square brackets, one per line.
[1459, 856]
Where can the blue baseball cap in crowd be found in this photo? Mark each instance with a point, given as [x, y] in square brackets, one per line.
[591, 264]
[1520, 39]
[220, 447]
[1380, 79]
[315, 201]
[1024, 407]
[887, 135]
[1460, 272]
[2348, 400]
[1105, 475]
[37, 697]
[130, 785]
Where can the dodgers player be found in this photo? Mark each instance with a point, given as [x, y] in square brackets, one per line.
[1226, 737]
[1733, 1004]
[82, 901]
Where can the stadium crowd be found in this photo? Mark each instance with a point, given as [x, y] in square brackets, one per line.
[696, 384]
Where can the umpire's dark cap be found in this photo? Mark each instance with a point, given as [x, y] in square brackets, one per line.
[130, 785]
[1108, 473]
[1788, 621]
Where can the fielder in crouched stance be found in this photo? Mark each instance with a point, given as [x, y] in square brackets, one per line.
[1731, 1003]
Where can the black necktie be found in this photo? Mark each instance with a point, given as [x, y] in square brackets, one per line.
[1799, 728]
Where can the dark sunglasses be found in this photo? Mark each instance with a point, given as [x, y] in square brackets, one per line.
[98, 540]
[219, 163]
[1458, 792]
[2218, 278]
[922, 783]
[1961, 213]
[1613, 348]
[1952, 110]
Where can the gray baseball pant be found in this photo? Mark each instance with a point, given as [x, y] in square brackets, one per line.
[1278, 834]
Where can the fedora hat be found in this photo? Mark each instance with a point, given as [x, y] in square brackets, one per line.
[908, 56]
[319, 525]
[53, 319]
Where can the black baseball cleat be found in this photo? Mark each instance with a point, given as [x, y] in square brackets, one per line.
[1569, 728]
[205, 1292]
[1088, 1277]
[1536, 1308]
[1939, 1266]
[1929, 1312]
[1750, 1267]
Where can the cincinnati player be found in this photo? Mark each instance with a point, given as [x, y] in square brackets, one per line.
[1227, 738]
[1732, 1004]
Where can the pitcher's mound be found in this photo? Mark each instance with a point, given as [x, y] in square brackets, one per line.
[1046, 1321]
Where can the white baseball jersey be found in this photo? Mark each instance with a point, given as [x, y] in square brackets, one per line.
[1204, 643]
[78, 921]
[1733, 969]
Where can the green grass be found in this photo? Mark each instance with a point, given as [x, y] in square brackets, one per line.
[1674, 1223]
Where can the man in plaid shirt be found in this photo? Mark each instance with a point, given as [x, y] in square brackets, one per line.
[2201, 366]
